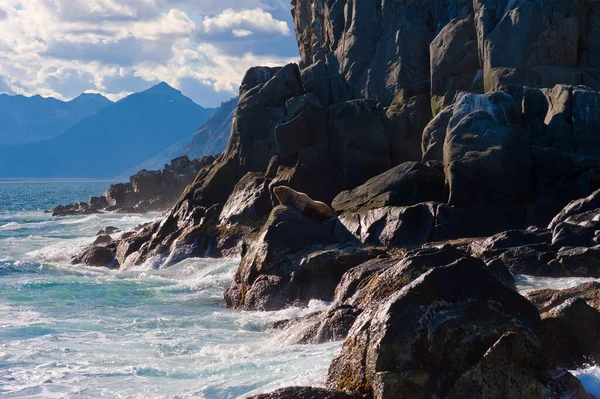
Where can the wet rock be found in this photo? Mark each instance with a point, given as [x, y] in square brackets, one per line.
[308, 393]
[580, 206]
[570, 334]
[108, 230]
[571, 235]
[415, 344]
[575, 262]
[328, 326]
[516, 367]
[103, 240]
[98, 256]
[547, 299]
[292, 260]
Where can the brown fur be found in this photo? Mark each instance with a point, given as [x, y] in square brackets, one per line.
[316, 210]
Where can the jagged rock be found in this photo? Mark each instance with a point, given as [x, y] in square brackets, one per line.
[108, 230]
[98, 202]
[292, 260]
[313, 174]
[547, 299]
[98, 256]
[146, 191]
[572, 235]
[577, 207]
[249, 202]
[103, 240]
[516, 367]
[404, 185]
[574, 262]
[570, 334]
[307, 129]
[308, 393]
[358, 277]
[392, 227]
[415, 344]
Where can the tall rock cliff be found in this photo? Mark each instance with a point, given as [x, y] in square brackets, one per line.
[483, 110]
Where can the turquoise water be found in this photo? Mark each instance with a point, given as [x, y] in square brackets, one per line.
[77, 332]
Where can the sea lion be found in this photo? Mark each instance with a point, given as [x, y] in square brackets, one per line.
[315, 210]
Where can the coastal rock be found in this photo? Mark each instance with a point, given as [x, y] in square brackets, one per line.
[99, 256]
[404, 124]
[570, 334]
[404, 185]
[423, 324]
[358, 143]
[146, 191]
[516, 367]
[308, 393]
[547, 299]
[487, 157]
[332, 325]
[292, 260]
[392, 227]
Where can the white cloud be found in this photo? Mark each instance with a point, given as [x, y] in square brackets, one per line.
[61, 48]
[258, 19]
[241, 33]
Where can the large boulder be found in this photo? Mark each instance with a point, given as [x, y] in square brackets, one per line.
[293, 259]
[404, 185]
[416, 344]
[487, 156]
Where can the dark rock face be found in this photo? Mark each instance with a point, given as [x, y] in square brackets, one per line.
[492, 168]
[146, 191]
[415, 344]
[570, 335]
[381, 49]
[99, 256]
[570, 324]
[308, 393]
[292, 260]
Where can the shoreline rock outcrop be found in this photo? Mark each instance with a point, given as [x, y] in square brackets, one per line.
[146, 191]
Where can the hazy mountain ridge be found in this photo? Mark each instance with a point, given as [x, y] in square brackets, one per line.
[112, 141]
[210, 139]
[30, 119]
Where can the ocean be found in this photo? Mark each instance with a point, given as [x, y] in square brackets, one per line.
[77, 332]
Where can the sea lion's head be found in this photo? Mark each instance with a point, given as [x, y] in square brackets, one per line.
[282, 193]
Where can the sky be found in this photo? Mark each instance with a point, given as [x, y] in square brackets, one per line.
[62, 48]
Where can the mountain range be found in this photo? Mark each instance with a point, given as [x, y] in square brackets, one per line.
[108, 143]
[30, 119]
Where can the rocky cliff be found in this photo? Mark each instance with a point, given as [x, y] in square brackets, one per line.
[421, 122]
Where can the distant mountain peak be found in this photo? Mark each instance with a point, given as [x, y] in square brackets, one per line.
[163, 88]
